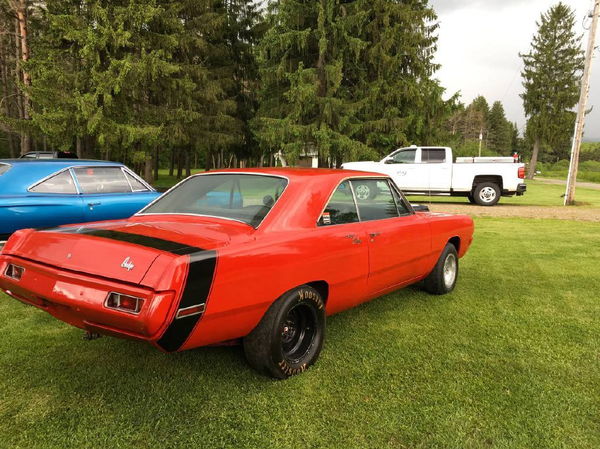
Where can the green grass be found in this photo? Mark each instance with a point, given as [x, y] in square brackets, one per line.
[510, 359]
[165, 181]
[588, 170]
[538, 194]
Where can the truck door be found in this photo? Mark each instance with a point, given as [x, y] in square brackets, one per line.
[436, 166]
[402, 167]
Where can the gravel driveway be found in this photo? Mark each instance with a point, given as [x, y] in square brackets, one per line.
[501, 210]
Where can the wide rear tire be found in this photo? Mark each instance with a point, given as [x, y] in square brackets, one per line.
[442, 278]
[289, 337]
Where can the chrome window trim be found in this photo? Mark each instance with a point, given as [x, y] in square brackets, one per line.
[134, 175]
[56, 173]
[76, 181]
[268, 175]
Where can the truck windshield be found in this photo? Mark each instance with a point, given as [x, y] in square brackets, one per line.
[242, 197]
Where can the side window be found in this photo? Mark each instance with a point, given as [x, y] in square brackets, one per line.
[400, 201]
[60, 183]
[102, 180]
[341, 207]
[403, 157]
[433, 156]
[374, 198]
[136, 184]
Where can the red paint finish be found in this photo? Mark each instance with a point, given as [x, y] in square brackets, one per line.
[70, 275]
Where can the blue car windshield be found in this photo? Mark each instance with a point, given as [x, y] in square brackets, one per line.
[4, 168]
[242, 197]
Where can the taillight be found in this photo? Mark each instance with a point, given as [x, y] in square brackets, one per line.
[522, 172]
[125, 303]
[14, 272]
[189, 311]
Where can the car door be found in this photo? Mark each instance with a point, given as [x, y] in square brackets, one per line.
[402, 167]
[399, 240]
[110, 192]
[438, 168]
[344, 256]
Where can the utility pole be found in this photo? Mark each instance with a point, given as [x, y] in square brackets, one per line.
[580, 121]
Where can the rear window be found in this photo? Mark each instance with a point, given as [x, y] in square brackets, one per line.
[4, 168]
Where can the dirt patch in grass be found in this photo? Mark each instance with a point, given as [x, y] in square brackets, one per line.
[508, 210]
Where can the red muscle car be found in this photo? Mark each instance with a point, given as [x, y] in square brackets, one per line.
[261, 255]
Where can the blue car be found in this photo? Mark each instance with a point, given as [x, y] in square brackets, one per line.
[45, 193]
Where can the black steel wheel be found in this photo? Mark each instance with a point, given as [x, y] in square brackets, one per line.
[289, 337]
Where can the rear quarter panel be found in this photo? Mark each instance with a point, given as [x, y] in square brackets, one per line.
[464, 173]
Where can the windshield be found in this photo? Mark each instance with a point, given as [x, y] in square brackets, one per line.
[4, 168]
[243, 197]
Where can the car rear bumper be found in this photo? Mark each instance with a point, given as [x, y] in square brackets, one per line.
[80, 300]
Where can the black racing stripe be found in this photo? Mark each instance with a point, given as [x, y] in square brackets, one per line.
[136, 239]
[197, 286]
[195, 292]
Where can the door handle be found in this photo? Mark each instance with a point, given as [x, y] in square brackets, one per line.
[372, 235]
[94, 204]
[354, 238]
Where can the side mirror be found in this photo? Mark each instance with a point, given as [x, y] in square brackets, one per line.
[420, 207]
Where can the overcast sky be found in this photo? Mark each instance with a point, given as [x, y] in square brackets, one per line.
[479, 45]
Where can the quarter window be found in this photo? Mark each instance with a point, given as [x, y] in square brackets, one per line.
[374, 198]
[341, 208]
[102, 180]
[136, 184]
[60, 183]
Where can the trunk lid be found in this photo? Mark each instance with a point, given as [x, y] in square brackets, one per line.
[123, 250]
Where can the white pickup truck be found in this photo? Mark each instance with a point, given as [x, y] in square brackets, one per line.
[431, 171]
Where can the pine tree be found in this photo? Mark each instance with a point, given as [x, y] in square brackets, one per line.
[499, 138]
[551, 77]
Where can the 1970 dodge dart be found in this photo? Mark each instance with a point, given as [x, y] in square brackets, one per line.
[261, 255]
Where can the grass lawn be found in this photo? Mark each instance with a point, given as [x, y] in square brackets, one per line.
[538, 194]
[165, 181]
[510, 359]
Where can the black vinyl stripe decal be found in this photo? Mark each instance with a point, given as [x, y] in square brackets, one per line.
[196, 290]
[136, 239]
[197, 285]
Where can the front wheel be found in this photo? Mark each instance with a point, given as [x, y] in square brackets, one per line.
[486, 194]
[289, 337]
[442, 278]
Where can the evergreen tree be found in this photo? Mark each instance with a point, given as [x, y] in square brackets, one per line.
[551, 77]
[500, 136]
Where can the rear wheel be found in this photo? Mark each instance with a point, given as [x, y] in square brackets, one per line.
[442, 278]
[486, 194]
[290, 335]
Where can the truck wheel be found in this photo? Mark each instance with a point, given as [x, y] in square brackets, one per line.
[486, 194]
[289, 337]
[443, 277]
[364, 192]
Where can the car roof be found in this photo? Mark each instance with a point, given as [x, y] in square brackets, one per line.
[298, 173]
[55, 162]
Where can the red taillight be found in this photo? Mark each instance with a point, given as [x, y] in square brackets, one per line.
[125, 303]
[522, 172]
[14, 272]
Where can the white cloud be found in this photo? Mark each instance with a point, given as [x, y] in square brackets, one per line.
[479, 45]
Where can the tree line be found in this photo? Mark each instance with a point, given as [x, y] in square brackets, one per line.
[221, 83]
